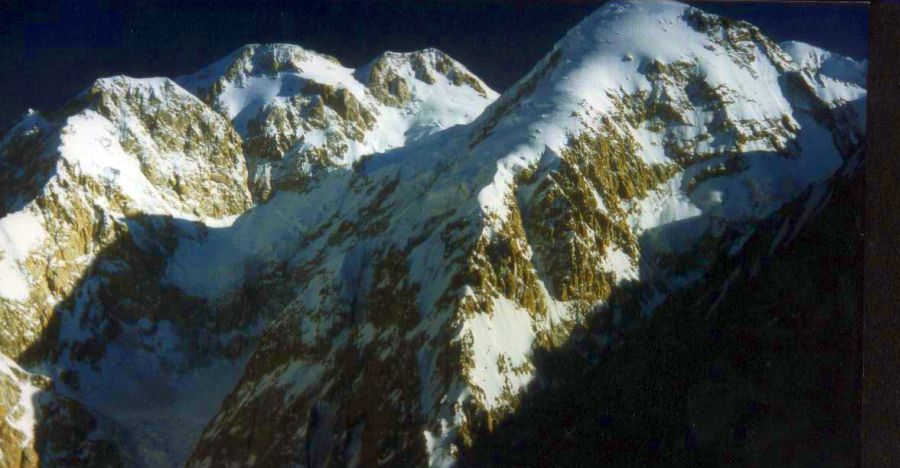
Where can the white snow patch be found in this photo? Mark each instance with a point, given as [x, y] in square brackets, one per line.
[666, 204]
[91, 142]
[438, 447]
[20, 234]
[507, 332]
[620, 264]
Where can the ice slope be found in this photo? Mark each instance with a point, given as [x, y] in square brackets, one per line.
[839, 82]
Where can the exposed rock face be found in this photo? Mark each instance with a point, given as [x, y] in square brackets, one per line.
[189, 154]
[39, 427]
[384, 299]
[16, 417]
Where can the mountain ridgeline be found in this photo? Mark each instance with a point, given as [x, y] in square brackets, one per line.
[282, 261]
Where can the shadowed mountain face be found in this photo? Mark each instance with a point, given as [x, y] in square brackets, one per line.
[756, 365]
[280, 261]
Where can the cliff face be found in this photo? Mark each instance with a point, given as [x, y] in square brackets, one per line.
[374, 289]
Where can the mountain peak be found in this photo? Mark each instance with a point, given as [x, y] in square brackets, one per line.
[116, 82]
[619, 49]
[153, 147]
[301, 112]
[835, 66]
[687, 86]
[390, 75]
[253, 60]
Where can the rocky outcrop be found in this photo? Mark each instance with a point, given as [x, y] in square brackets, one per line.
[40, 427]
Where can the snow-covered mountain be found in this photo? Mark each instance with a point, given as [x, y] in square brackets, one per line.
[279, 260]
[300, 112]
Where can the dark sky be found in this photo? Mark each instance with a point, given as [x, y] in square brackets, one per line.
[49, 53]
